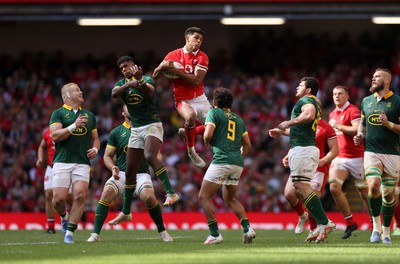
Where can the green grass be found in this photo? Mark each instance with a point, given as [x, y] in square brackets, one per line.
[146, 247]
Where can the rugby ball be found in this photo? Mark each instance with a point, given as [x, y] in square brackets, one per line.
[169, 75]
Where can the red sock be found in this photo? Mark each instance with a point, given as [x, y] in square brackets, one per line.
[200, 129]
[50, 223]
[299, 208]
[396, 215]
[349, 220]
[313, 223]
[190, 136]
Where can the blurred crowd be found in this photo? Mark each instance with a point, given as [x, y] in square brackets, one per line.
[263, 71]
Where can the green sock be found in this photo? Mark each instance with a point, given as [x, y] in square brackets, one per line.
[71, 227]
[101, 215]
[129, 191]
[213, 225]
[375, 203]
[314, 205]
[156, 215]
[245, 224]
[387, 213]
[162, 174]
[63, 215]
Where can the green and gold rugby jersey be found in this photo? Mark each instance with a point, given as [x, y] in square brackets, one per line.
[303, 135]
[142, 110]
[119, 139]
[74, 148]
[380, 139]
[227, 139]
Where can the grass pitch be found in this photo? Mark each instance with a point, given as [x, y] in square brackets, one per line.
[270, 246]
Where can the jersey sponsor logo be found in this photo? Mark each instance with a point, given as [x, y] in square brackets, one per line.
[374, 120]
[80, 131]
[67, 115]
[123, 135]
[133, 99]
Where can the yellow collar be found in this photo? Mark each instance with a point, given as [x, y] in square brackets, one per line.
[70, 107]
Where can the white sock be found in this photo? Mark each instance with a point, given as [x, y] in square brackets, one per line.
[376, 220]
[386, 230]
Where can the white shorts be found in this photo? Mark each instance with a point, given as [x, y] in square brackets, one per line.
[318, 181]
[66, 173]
[223, 174]
[303, 161]
[390, 163]
[48, 178]
[139, 134]
[355, 166]
[201, 105]
[143, 180]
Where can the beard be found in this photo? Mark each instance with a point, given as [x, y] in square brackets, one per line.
[375, 89]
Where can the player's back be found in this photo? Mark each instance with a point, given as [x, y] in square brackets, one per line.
[227, 138]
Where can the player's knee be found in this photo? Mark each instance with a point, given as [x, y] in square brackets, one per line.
[335, 186]
[148, 200]
[108, 194]
[361, 184]
[388, 194]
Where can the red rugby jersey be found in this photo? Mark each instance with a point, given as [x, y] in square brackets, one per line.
[324, 133]
[50, 146]
[345, 116]
[190, 62]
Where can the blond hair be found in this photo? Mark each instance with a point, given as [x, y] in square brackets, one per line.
[66, 89]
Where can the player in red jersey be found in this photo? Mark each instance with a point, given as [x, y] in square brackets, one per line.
[327, 144]
[47, 148]
[187, 67]
[345, 120]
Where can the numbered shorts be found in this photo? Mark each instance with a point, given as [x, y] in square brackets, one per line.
[355, 166]
[201, 106]
[64, 174]
[139, 134]
[303, 162]
[223, 174]
[143, 180]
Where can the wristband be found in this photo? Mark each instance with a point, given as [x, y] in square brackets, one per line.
[141, 82]
[96, 150]
[361, 135]
[71, 128]
[391, 125]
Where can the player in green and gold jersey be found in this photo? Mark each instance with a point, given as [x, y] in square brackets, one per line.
[380, 118]
[137, 92]
[303, 154]
[226, 133]
[117, 145]
[74, 131]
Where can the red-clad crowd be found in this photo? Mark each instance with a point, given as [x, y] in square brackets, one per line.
[263, 72]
